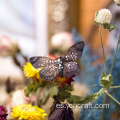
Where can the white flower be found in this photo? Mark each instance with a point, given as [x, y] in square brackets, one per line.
[63, 40]
[117, 2]
[103, 16]
[18, 98]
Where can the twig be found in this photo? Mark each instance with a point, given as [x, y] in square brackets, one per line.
[104, 101]
[111, 96]
[115, 55]
[102, 48]
[114, 87]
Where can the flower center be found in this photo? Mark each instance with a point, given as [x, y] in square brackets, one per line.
[29, 108]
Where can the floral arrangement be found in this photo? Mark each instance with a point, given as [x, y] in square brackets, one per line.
[60, 88]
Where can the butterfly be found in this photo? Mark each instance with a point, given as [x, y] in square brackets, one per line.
[64, 66]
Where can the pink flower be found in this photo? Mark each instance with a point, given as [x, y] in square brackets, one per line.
[8, 46]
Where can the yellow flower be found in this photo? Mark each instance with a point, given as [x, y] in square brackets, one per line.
[28, 112]
[30, 71]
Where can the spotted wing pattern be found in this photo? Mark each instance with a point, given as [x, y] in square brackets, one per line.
[74, 52]
[38, 62]
[70, 68]
[49, 72]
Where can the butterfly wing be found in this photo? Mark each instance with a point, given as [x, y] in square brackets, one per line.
[70, 68]
[74, 52]
[38, 62]
[49, 72]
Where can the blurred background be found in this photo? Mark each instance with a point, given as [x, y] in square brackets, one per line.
[35, 27]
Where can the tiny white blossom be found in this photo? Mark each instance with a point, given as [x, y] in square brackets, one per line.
[117, 2]
[103, 16]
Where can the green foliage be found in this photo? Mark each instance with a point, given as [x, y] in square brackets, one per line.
[96, 23]
[30, 89]
[109, 26]
[46, 94]
[69, 88]
[83, 100]
[63, 95]
[106, 80]
[54, 91]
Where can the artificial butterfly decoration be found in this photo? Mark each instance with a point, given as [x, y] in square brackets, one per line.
[64, 66]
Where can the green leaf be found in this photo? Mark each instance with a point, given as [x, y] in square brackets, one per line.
[54, 91]
[109, 26]
[118, 4]
[63, 95]
[106, 80]
[83, 100]
[74, 99]
[69, 88]
[46, 95]
[26, 91]
[31, 88]
[96, 23]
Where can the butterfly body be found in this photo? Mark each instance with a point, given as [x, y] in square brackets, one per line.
[64, 66]
[60, 66]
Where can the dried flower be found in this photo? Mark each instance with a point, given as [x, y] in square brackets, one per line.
[117, 2]
[60, 111]
[103, 16]
[8, 46]
[62, 80]
[52, 57]
[3, 113]
[31, 72]
[28, 112]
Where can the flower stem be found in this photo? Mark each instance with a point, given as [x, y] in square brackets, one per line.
[102, 48]
[114, 87]
[115, 55]
[104, 101]
[111, 96]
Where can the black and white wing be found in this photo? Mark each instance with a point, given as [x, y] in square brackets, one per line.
[74, 52]
[49, 70]
[70, 68]
[38, 62]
